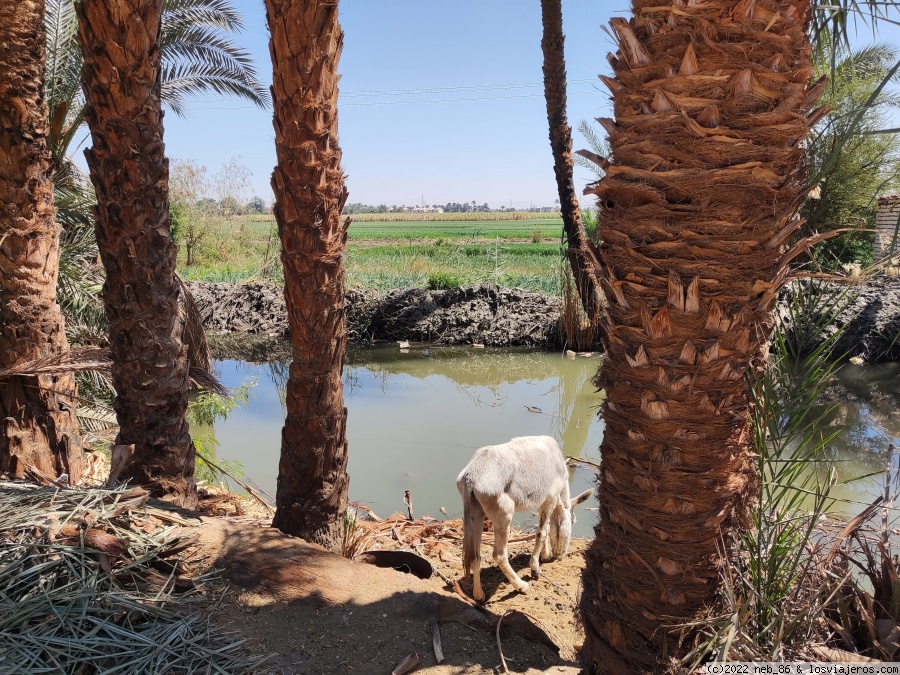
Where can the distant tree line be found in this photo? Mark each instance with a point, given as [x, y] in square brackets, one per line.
[449, 207]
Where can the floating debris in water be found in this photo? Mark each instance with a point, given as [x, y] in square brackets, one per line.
[856, 361]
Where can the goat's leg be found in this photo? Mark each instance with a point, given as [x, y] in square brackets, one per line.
[473, 525]
[477, 591]
[541, 542]
[547, 550]
[501, 537]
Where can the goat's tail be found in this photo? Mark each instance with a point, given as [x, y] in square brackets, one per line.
[473, 524]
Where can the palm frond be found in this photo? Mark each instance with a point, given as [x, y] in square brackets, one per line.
[833, 21]
[219, 13]
[96, 419]
[186, 79]
[198, 56]
[598, 146]
[76, 359]
[80, 359]
[194, 335]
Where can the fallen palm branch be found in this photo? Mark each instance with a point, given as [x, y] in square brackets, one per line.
[81, 359]
[91, 581]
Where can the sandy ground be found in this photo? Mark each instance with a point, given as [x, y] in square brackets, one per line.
[318, 612]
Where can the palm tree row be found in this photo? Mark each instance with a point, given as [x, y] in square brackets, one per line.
[174, 50]
[712, 103]
[192, 54]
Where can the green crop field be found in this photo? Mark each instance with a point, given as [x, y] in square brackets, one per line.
[464, 229]
[399, 254]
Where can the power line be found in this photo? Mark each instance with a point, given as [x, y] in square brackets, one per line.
[436, 100]
[442, 90]
[434, 90]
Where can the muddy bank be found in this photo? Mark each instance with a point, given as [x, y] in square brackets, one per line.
[868, 317]
[487, 314]
[502, 317]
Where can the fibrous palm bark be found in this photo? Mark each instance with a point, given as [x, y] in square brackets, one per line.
[306, 42]
[698, 208]
[580, 250]
[120, 43]
[37, 414]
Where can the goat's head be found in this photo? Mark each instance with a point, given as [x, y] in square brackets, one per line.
[561, 521]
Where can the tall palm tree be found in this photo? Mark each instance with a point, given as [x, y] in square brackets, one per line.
[120, 42]
[306, 42]
[580, 250]
[198, 56]
[712, 101]
[37, 414]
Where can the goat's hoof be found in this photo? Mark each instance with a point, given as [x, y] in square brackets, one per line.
[523, 588]
[535, 572]
[479, 597]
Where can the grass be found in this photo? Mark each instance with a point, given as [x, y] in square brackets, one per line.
[394, 254]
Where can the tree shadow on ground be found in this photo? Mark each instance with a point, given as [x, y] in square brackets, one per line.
[320, 613]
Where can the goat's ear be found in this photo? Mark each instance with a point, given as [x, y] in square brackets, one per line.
[583, 497]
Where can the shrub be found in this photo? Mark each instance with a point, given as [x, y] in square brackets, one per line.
[441, 281]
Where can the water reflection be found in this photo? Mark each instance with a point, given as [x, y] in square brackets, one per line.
[415, 418]
[868, 415]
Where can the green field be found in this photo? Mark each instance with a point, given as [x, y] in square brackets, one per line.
[398, 254]
[463, 230]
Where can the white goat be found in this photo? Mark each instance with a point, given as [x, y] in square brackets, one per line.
[526, 474]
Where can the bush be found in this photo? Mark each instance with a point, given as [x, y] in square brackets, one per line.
[441, 281]
[537, 236]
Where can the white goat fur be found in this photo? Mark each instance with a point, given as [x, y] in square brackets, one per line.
[526, 474]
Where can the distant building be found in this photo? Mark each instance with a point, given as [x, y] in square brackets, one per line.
[427, 209]
[887, 226]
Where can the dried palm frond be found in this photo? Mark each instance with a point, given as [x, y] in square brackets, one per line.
[194, 337]
[76, 359]
[96, 419]
[90, 582]
[80, 359]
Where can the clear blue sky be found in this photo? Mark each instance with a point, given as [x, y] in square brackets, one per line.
[476, 128]
[440, 101]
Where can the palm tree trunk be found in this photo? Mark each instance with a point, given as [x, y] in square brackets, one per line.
[698, 208]
[121, 75]
[582, 253]
[37, 414]
[306, 42]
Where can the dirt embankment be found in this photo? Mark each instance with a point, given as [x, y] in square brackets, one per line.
[866, 314]
[502, 317]
[487, 314]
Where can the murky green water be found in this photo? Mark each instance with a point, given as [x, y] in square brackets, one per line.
[415, 417]
[868, 413]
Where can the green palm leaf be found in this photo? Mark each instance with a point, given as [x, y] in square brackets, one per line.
[198, 56]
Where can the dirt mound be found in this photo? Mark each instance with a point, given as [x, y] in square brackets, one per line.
[870, 321]
[255, 307]
[502, 317]
[321, 613]
[486, 314]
